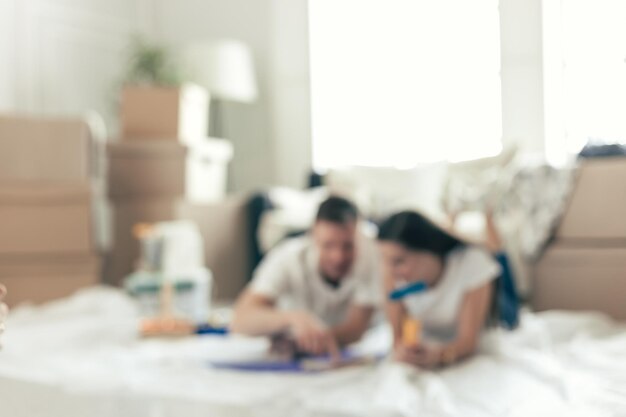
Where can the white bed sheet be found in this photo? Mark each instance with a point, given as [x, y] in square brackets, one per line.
[81, 357]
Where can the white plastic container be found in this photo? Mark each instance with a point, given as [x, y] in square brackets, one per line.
[191, 293]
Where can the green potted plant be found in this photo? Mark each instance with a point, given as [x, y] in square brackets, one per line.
[155, 103]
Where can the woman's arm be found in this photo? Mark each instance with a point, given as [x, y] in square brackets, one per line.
[472, 317]
[394, 310]
[354, 326]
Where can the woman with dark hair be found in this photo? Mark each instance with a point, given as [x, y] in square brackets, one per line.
[439, 280]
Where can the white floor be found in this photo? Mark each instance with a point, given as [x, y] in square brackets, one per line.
[81, 357]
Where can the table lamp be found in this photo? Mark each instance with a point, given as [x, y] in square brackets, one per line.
[226, 69]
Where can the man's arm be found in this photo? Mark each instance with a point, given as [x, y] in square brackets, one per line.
[255, 315]
[354, 326]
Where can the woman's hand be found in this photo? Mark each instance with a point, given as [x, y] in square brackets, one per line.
[422, 355]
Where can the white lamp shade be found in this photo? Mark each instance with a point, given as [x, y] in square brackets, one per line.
[224, 67]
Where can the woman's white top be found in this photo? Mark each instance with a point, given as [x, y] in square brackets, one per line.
[465, 269]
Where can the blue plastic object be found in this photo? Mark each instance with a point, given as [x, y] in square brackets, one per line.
[409, 289]
[208, 329]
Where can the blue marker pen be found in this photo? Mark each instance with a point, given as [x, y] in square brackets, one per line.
[409, 289]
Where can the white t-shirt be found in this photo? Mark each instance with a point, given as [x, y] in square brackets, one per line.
[289, 274]
[465, 269]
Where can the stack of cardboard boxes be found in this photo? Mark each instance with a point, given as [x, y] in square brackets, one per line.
[585, 267]
[162, 160]
[50, 236]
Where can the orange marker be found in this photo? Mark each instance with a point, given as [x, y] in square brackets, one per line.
[411, 332]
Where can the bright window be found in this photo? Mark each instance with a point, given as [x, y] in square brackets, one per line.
[402, 82]
[584, 74]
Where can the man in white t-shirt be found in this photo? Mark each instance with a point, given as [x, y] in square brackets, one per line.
[321, 288]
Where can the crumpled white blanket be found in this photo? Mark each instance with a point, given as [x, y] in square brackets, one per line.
[4, 310]
[528, 197]
[81, 357]
[535, 203]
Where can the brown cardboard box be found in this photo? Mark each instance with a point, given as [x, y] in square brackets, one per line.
[40, 149]
[124, 253]
[582, 278]
[40, 218]
[43, 278]
[224, 229]
[597, 208]
[146, 169]
[162, 169]
[149, 112]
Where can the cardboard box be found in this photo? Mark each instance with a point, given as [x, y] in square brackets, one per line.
[149, 112]
[44, 278]
[224, 229]
[597, 207]
[163, 169]
[124, 254]
[39, 149]
[582, 278]
[39, 218]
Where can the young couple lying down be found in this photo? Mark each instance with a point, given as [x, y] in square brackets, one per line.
[322, 289]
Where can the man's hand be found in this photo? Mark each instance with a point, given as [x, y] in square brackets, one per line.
[312, 336]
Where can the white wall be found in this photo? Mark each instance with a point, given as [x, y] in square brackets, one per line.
[63, 57]
[246, 125]
[291, 118]
[272, 135]
[7, 55]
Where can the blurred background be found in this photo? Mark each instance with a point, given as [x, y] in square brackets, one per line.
[242, 115]
[153, 151]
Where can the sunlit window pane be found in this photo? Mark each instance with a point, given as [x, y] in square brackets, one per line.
[401, 82]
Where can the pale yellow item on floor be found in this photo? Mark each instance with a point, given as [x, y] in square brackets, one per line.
[166, 325]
